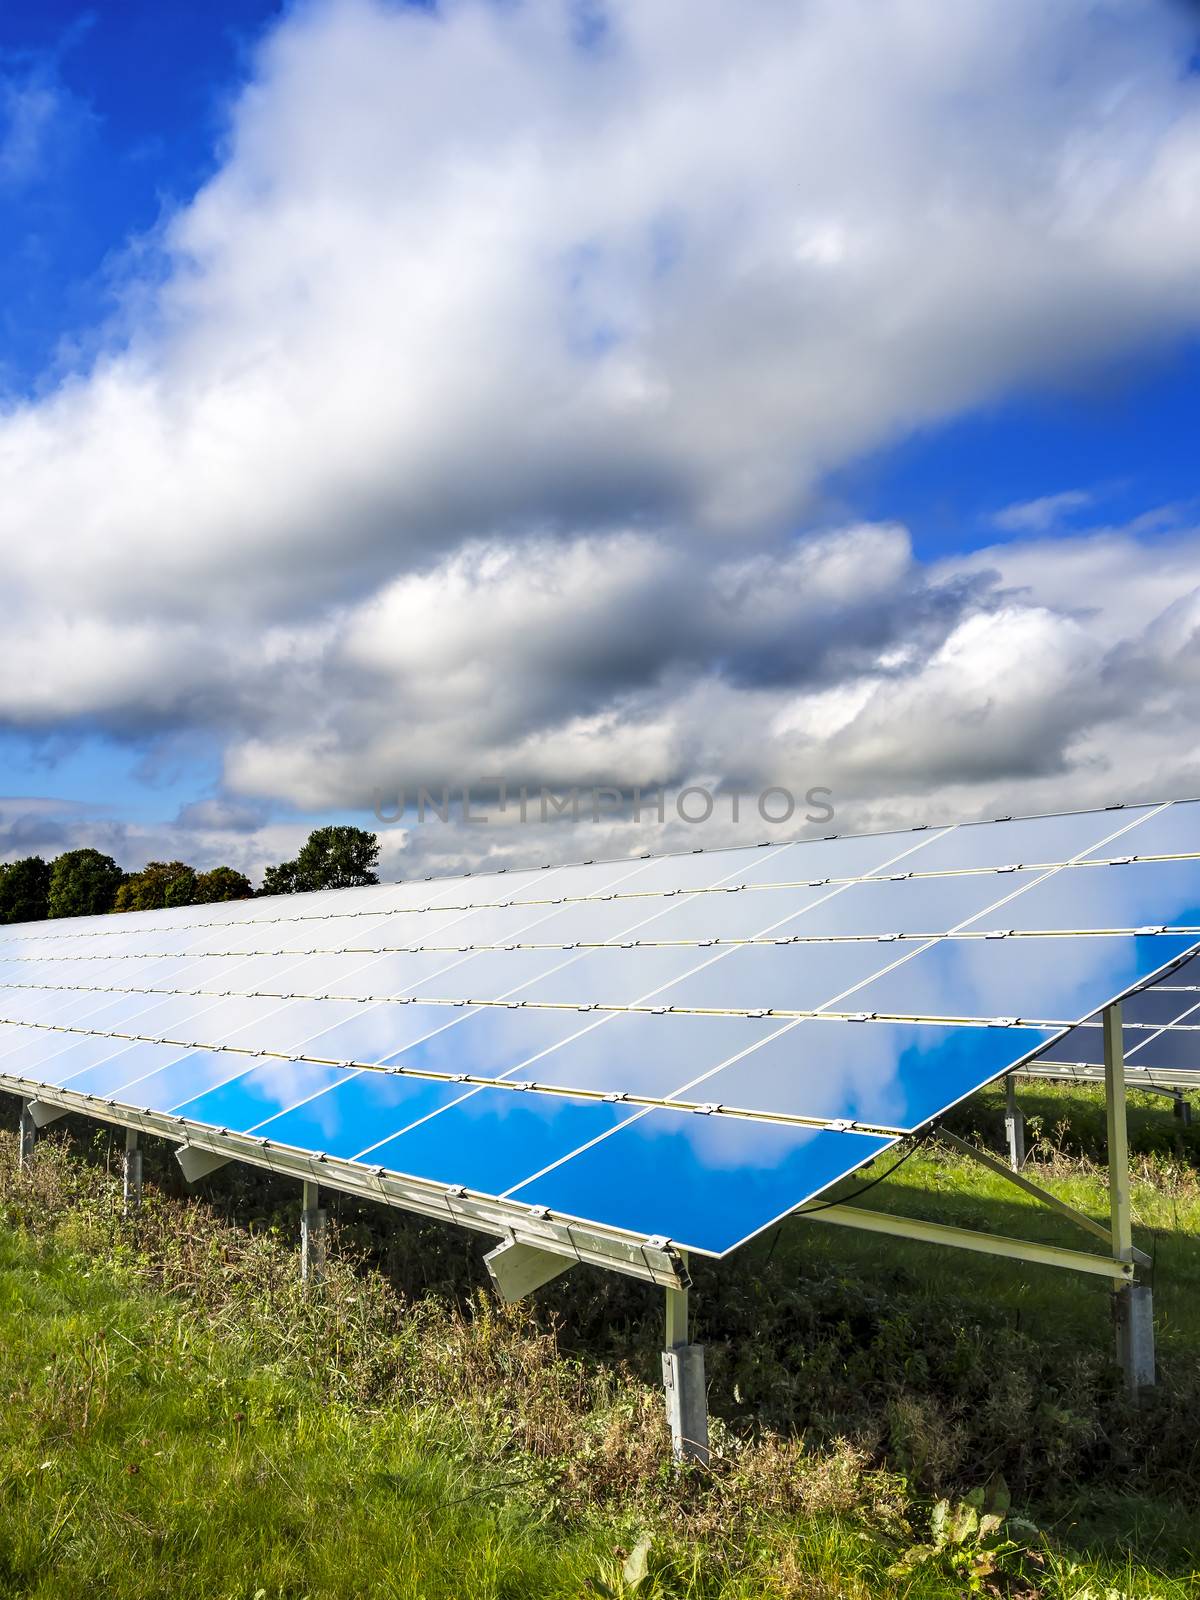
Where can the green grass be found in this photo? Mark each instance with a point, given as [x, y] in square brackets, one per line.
[143, 1459]
[178, 1418]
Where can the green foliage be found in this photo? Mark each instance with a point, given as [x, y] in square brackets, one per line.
[173, 883]
[24, 890]
[337, 857]
[282, 879]
[158, 884]
[221, 883]
[976, 1542]
[626, 1575]
[83, 883]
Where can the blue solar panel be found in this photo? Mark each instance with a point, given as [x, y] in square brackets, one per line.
[1057, 979]
[898, 1075]
[709, 1183]
[677, 1046]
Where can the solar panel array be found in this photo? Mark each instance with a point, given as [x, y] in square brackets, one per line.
[683, 1046]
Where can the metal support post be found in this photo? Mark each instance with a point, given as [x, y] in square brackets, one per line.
[1133, 1303]
[312, 1236]
[26, 1136]
[1014, 1125]
[1182, 1108]
[683, 1383]
[131, 1175]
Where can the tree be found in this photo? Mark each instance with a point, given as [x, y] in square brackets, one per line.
[158, 884]
[280, 879]
[337, 857]
[221, 883]
[181, 891]
[83, 883]
[24, 890]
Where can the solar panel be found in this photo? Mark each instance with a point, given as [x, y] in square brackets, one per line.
[682, 1047]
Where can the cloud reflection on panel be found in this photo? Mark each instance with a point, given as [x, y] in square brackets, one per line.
[647, 1055]
[707, 1182]
[1045, 979]
[896, 1075]
[358, 1113]
[493, 1139]
[1136, 895]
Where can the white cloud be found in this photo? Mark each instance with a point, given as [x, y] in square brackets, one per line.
[28, 108]
[1042, 514]
[486, 384]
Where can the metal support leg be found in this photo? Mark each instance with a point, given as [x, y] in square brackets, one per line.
[1134, 1308]
[683, 1383]
[1182, 1109]
[1133, 1302]
[26, 1136]
[312, 1236]
[132, 1174]
[1014, 1125]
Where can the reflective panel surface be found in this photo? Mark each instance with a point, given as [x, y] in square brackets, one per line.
[1175, 830]
[899, 1075]
[250, 1017]
[709, 1183]
[1027, 840]
[1052, 979]
[645, 1055]
[356, 1112]
[1158, 893]
[797, 977]
[492, 1139]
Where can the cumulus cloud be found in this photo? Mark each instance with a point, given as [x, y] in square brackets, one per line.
[474, 416]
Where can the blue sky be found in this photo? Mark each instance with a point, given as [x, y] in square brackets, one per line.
[1128, 435]
[357, 429]
[136, 98]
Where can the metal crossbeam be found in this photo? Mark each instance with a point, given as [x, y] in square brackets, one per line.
[1079, 1218]
[1150, 1080]
[990, 1244]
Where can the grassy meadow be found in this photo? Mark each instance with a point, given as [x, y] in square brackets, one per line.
[179, 1418]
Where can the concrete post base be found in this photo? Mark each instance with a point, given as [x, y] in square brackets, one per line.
[1133, 1308]
[313, 1233]
[131, 1174]
[26, 1136]
[687, 1402]
[1014, 1127]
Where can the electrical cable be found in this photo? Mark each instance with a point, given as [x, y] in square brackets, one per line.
[866, 1187]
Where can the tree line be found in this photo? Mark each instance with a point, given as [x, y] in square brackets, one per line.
[87, 883]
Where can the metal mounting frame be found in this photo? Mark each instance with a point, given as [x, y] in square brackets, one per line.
[1027, 1186]
[536, 1246]
[990, 1244]
[651, 1260]
[1133, 1301]
[1148, 1080]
